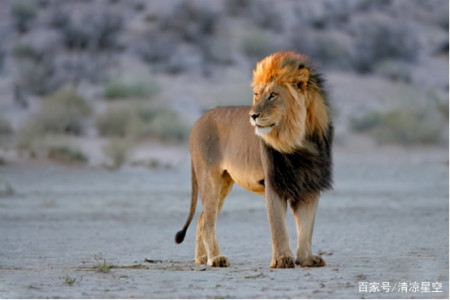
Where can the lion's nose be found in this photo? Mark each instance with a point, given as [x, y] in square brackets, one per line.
[254, 116]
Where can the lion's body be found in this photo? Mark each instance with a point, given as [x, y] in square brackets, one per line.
[224, 142]
[283, 152]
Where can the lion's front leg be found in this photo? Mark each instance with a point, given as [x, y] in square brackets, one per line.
[282, 256]
[305, 213]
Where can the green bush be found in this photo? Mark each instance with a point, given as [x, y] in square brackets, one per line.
[138, 121]
[166, 125]
[116, 120]
[119, 89]
[63, 112]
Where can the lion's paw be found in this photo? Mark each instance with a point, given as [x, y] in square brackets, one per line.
[283, 262]
[219, 261]
[311, 261]
[201, 260]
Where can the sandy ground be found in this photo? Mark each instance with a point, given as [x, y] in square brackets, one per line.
[385, 221]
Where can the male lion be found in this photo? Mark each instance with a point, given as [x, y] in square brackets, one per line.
[279, 147]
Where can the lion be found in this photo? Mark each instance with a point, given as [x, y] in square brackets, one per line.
[279, 147]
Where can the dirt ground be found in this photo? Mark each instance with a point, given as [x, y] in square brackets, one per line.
[87, 232]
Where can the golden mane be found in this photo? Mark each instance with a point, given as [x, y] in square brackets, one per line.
[308, 113]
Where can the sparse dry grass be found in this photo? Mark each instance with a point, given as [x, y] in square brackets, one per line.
[101, 266]
[69, 280]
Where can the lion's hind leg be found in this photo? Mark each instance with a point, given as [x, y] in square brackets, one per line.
[200, 251]
[213, 193]
[304, 214]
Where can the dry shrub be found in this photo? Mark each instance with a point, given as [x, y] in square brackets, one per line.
[56, 147]
[418, 119]
[136, 120]
[190, 21]
[143, 88]
[117, 150]
[61, 116]
[95, 31]
[66, 154]
[5, 127]
[331, 48]
[63, 112]
[37, 69]
[257, 44]
[379, 37]
[262, 13]
[167, 126]
[24, 13]
[117, 120]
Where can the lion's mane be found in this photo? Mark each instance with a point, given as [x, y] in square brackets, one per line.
[298, 154]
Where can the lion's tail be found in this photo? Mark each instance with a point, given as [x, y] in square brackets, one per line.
[179, 237]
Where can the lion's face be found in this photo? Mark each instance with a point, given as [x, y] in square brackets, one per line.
[287, 103]
[270, 106]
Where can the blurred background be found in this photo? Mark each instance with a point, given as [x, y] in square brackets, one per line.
[119, 83]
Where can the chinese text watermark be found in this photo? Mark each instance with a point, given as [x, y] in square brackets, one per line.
[400, 287]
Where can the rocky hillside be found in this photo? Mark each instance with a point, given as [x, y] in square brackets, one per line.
[102, 81]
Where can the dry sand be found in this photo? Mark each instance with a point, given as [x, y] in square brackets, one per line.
[385, 221]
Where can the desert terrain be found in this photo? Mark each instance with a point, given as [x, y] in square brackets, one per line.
[112, 233]
[97, 99]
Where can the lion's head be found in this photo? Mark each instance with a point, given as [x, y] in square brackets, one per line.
[288, 102]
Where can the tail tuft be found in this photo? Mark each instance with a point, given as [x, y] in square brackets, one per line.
[179, 237]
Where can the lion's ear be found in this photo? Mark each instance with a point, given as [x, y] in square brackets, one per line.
[302, 77]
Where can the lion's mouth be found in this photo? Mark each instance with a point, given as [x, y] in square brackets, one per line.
[270, 126]
[263, 130]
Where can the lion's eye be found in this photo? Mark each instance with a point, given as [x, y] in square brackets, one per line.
[272, 96]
